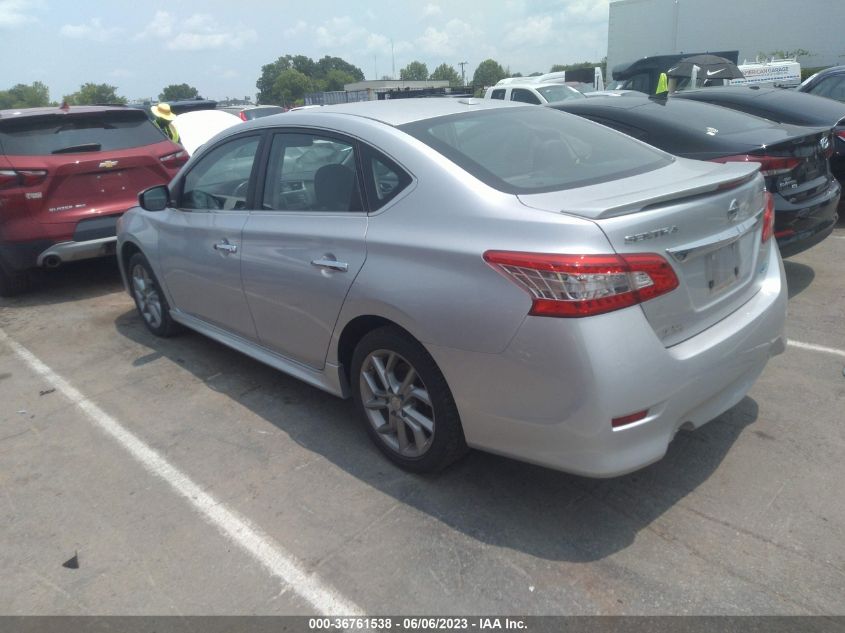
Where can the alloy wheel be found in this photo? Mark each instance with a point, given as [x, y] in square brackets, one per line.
[397, 403]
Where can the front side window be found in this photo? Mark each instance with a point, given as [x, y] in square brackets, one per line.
[220, 179]
[308, 172]
[524, 96]
[535, 150]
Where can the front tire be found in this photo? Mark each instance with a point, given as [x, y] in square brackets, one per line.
[149, 299]
[406, 405]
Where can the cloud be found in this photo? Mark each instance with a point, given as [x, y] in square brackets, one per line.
[341, 32]
[456, 35]
[199, 31]
[93, 30]
[297, 29]
[16, 13]
[431, 10]
[121, 73]
[534, 31]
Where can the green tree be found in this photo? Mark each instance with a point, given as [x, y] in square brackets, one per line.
[335, 80]
[415, 71]
[327, 64]
[328, 71]
[535, 74]
[445, 72]
[25, 96]
[290, 86]
[488, 73]
[176, 92]
[91, 94]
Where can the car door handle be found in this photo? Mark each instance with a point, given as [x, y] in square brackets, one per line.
[226, 247]
[332, 264]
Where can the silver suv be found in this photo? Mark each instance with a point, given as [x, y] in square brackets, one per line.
[472, 273]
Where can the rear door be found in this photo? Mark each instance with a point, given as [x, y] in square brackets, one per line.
[304, 245]
[200, 240]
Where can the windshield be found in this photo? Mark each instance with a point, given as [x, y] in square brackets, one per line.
[558, 93]
[535, 150]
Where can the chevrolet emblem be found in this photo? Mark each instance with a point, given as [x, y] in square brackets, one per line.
[108, 164]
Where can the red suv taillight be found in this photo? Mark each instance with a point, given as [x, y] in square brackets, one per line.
[585, 285]
[768, 217]
[769, 165]
[175, 160]
[21, 177]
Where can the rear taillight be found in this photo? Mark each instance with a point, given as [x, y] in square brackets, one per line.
[585, 285]
[242, 114]
[840, 134]
[175, 160]
[768, 218]
[21, 177]
[769, 165]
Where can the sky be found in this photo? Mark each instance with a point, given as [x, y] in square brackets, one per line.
[219, 47]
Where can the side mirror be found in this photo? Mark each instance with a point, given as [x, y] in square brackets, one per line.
[154, 198]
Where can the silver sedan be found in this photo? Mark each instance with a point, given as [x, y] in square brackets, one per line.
[472, 273]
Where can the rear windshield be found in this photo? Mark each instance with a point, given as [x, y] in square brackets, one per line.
[535, 150]
[700, 117]
[76, 133]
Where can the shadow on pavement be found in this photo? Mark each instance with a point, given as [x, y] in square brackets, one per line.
[496, 500]
[798, 277]
[71, 282]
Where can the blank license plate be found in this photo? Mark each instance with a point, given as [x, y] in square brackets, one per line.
[722, 267]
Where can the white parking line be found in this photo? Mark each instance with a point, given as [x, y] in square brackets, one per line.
[816, 348]
[262, 547]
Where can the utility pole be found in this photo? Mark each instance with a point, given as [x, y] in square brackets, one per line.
[393, 61]
[463, 78]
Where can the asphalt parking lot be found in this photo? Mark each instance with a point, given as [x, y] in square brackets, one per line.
[189, 479]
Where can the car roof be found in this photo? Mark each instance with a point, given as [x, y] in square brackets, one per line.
[18, 113]
[663, 112]
[788, 106]
[394, 112]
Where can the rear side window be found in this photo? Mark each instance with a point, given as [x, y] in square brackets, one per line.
[524, 96]
[498, 94]
[535, 150]
[831, 87]
[75, 133]
[383, 179]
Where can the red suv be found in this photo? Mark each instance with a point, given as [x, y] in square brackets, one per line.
[66, 175]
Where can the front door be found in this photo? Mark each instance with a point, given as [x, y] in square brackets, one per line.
[200, 240]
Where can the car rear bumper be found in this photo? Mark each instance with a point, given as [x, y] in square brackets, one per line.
[64, 252]
[798, 227]
[91, 238]
[549, 398]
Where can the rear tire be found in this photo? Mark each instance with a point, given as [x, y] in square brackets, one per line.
[12, 283]
[149, 299]
[405, 403]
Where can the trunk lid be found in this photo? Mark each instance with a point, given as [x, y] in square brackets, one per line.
[705, 219]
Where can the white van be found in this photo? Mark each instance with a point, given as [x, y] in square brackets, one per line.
[775, 72]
